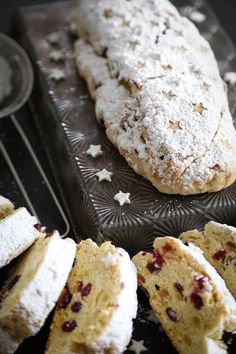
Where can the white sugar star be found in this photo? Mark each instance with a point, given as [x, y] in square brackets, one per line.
[53, 38]
[122, 198]
[109, 260]
[197, 16]
[230, 78]
[104, 175]
[57, 75]
[56, 55]
[94, 150]
[137, 346]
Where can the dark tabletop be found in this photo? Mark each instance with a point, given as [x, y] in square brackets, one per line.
[224, 9]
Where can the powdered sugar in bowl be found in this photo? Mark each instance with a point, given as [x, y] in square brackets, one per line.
[16, 76]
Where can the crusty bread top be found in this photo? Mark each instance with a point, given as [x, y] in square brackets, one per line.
[175, 127]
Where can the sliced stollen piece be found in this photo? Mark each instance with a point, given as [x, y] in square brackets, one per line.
[33, 288]
[188, 296]
[218, 243]
[95, 311]
[158, 92]
[17, 233]
[6, 207]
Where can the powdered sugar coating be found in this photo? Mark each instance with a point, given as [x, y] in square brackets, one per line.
[35, 294]
[161, 97]
[121, 321]
[17, 233]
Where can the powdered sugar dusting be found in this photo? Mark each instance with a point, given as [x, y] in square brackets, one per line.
[162, 100]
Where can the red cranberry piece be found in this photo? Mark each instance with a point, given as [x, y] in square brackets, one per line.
[144, 253]
[167, 248]
[79, 285]
[40, 227]
[69, 326]
[220, 255]
[179, 288]
[171, 314]
[157, 263]
[86, 290]
[65, 299]
[49, 234]
[196, 300]
[76, 306]
[199, 283]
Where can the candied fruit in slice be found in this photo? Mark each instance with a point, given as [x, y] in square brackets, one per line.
[196, 300]
[80, 285]
[76, 306]
[179, 287]
[69, 326]
[64, 299]
[157, 263]
[86, 289]
[171, 314]
[219, 255]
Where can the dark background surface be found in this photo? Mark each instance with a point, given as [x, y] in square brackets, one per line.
[224, 9]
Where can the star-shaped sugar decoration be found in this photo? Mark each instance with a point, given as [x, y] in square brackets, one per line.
[168, 95]
[57, 74]
[53, 38]
[104, 175]
[174, 126]
[137, 346]
[197, 16]
[122, 198]
[199, 108]
[94, 150]
[230, 78]
[109, 260]
[205, 87]
[56, 55]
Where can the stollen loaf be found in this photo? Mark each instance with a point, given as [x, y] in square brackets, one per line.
[158, 92]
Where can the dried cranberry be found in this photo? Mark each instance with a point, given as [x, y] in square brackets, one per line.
[179, 288]
[171, 314]
[199, 283]
[40, 227]
[220, 255]
[76, 306]
[65, 299]
[167, 248]
[86, 289]
[49, 234]
[157, 287]
[157, 263]
[196, 300]
[79, 285]
[69, 326]
[144, 253]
